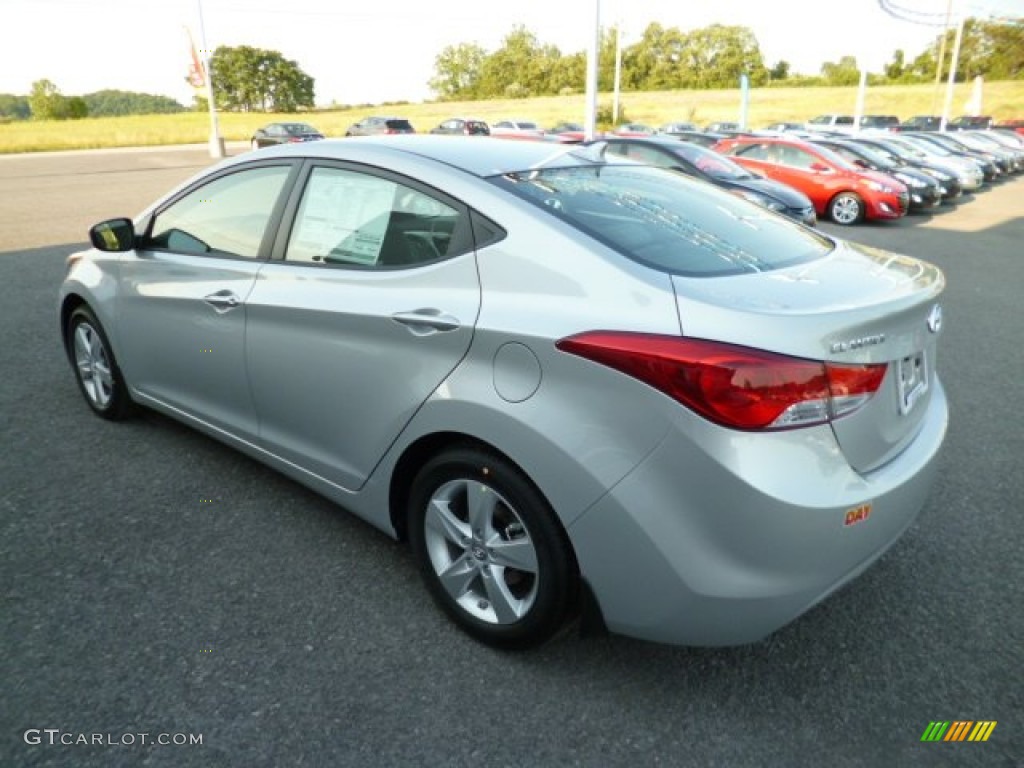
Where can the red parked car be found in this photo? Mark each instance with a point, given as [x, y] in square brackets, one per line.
[839, 189]
[1012, 125]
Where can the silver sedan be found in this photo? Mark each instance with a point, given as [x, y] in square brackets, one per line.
[582, 388]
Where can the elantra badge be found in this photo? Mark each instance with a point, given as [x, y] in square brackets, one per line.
[935, 319]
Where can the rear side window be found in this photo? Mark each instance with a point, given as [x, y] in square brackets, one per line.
[667, 221]
[357, 219]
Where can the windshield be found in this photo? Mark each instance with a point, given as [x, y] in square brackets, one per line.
[836, 159]
[713, 164]
[923, 147]
[667, 221]
[872, 157]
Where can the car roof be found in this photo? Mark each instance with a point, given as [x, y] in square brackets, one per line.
[478, 155]
[670, 143]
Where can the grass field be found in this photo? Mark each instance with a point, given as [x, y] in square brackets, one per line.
[1001, 99]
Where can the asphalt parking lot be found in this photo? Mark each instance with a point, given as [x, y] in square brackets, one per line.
[154, 581]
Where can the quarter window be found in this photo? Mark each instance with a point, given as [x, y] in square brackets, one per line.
[351, 218]
[227, 217]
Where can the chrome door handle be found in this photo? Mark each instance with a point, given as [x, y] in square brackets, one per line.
[423, 322]
[222, 301]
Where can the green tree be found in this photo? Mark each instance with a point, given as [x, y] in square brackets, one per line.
[75, 108]
[843, 72]
[992, 49]
[1005, 50]
[653, 63]
[520, 59]
[780, 71]
[46, 102]
[894, 69]
[716, 56]
[712, 57]
[457, 71]
[115, 102]
[14, 107]
[247, 79]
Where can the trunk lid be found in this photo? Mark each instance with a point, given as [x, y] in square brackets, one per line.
[855, 305]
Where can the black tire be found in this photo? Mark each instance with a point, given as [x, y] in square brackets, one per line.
[846, 209]
[513, 524]
[96, 371]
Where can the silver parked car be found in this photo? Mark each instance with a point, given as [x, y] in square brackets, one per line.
[577, 385]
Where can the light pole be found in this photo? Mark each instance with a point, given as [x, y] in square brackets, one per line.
[590, 123]
[216, 142]
[952, 74]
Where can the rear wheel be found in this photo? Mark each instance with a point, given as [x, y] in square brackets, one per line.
[846, 208]
[96, 371]
[490, 549]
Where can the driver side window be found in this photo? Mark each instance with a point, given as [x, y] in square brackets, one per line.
[227, 217]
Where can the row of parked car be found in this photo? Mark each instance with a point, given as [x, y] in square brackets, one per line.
[846, 178]
[806, 175]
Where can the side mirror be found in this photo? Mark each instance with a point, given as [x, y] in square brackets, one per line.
[113, 235]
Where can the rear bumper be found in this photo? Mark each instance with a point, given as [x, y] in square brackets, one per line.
[724, 542]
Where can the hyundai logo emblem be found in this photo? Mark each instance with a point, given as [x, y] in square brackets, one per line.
[935, 319]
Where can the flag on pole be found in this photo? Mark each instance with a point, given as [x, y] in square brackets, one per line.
[196, 71]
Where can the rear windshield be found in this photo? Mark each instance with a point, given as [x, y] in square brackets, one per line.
[667, 221]
[474, 127]
[399, 125]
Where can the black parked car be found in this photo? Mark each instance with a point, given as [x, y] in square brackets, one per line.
[925, 191]
[880, 122]
[963, 141]
[971, 122]
[284, 133]
[701, 138]
[921, 123]
[949, 180]
[709, 166]
[940, 142]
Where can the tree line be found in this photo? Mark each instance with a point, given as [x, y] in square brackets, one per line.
[248, 79]
[666, 58]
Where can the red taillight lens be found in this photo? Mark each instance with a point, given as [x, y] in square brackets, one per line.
[735, 386]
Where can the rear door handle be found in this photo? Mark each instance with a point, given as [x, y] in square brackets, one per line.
[425, 321]
[222, 301]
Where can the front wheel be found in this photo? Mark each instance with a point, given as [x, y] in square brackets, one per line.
[846, 208]
[96, 371]
[490, 549]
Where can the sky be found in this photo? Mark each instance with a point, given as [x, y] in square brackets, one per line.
[371, 52]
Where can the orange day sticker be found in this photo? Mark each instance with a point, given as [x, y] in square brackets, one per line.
[857, 514]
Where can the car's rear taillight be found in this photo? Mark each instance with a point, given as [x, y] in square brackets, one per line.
[735, 386]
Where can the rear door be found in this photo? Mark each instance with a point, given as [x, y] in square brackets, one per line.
[371, 307]
[788, 165]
